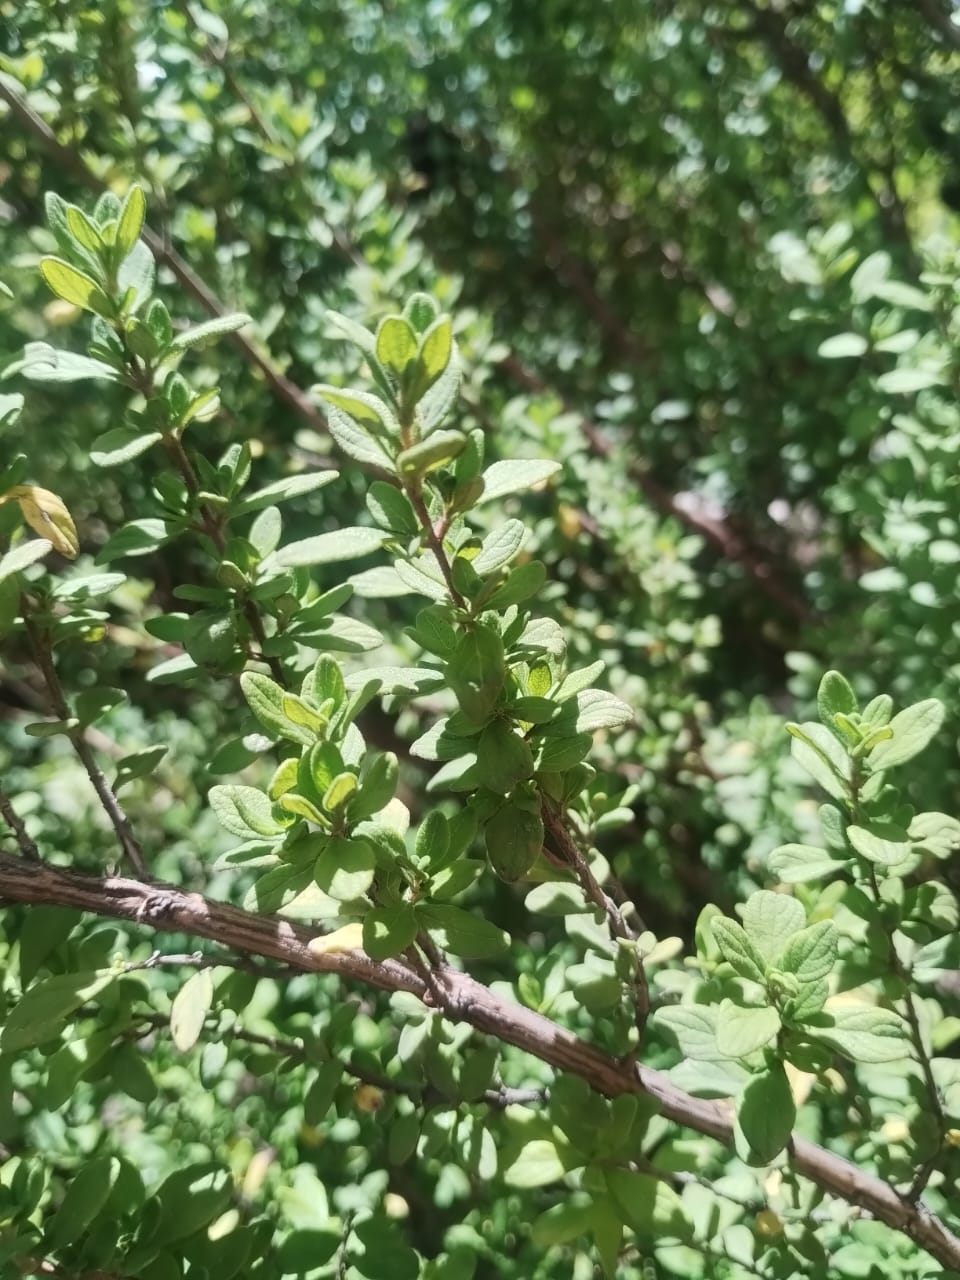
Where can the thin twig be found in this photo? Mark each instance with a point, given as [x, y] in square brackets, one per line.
[105, 793]
[207, 960]
[25, 842]
[573, 856]
[435, 542]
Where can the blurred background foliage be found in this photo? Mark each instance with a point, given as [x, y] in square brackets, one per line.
[702, 254]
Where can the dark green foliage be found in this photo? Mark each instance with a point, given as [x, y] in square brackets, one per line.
[444, 596]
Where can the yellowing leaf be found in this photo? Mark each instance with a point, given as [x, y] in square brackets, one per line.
[74, 286]
[349, 938]
[46, 514]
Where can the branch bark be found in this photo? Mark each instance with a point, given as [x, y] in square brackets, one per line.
[172, 910]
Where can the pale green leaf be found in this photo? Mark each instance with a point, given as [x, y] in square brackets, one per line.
[190, 1007]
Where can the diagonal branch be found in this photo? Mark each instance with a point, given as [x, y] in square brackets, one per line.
[25, 842]
[730, 545]
[174, 910]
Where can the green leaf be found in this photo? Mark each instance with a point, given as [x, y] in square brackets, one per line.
[202, 334]
[771, 919]
[817, 750]
[23, 555]
[556, 898]
[43, 363]
[878, 712]
[83, 230]
[515, 476]
[416, 576]
[361, 408]
[421, 310]
[798, 863]
[835, 697]
[285, 489]
[277, 888]
[598, 709]
[43, 1010]
[130, 224]
[433, 841]
[355, 333]
[90, 705]
[649, 1206]
[435, 354]
[87, 1193]
[436, 403]
[841, 345]
[766, 1114]
[190, 1198]
[175, 671]
[190, 1007]
[345, 869]
[75, 286]
[339, 792]
[244, 810]
[306, 1249]
[391, 509]
[138, 764]
[812, 953]
[513, 836]
[356, 441]
[500, 547]
[913, 728]
[865, 1034]
[741, 1032]
[396, 344]
[463, 934]
[387, 931]
[562, 1223]
[538, 1164]
[90, 587]
[326, 548]
[737, 949]
[881, 843]
[909, 381]
[266, 700]
[318, 1098]
[10, 409]
[524, 581]
[694, 1027]
[504, 758]
[136, 538]
[429, 455]
[137, 273]
[378, 782]
[935, 833]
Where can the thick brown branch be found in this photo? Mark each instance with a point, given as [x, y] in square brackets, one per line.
[172, 910]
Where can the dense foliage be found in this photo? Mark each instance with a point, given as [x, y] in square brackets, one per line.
[448, 454]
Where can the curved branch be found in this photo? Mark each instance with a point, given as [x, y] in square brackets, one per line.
[170, 909]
